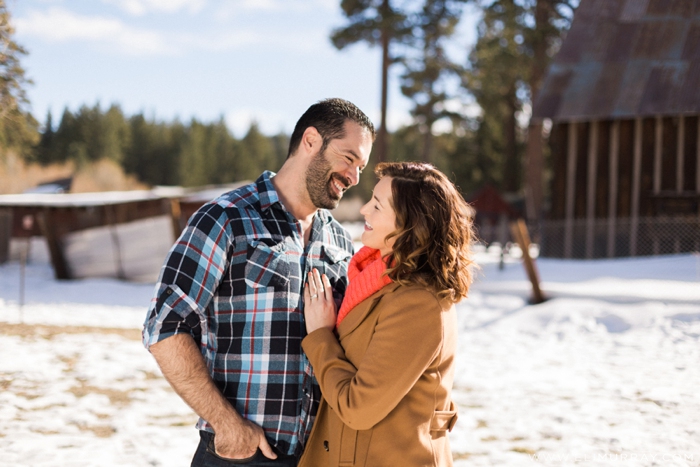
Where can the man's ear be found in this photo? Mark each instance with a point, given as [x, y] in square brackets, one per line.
[311, 140]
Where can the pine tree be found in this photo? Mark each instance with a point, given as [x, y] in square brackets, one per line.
[516, 40]
[18, 129]
[258, 152]
[375, 22]
[496, 75]
[44, 153]
[424, 79]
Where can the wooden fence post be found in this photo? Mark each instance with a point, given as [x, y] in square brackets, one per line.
[520, 234]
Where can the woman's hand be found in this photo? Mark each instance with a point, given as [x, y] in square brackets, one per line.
[319, 306]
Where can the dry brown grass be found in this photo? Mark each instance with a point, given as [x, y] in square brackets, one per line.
[49, 332]
[104, 175]
[17, 176]
[116, 397]
[101, 431]
[523, 450]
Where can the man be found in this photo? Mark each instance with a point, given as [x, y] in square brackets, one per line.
[226, 322]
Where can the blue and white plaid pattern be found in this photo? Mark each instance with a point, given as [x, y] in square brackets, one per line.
[234, 281]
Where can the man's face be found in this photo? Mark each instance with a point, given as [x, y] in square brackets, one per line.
[338, 167]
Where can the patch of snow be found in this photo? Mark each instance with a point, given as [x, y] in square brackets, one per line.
[604, 373]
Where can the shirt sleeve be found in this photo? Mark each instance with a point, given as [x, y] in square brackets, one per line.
[365, 395]
[192, 271]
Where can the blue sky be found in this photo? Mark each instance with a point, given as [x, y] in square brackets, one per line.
[266, 60]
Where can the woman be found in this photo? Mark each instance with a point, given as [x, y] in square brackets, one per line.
[387, 377]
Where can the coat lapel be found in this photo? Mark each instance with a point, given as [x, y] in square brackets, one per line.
[358, 314]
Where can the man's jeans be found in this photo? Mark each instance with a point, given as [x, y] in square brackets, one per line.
[205, 456]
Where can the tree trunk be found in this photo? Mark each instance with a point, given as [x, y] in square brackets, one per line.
[534, 190]
[381, 144]
[428, 142]
[511, 172]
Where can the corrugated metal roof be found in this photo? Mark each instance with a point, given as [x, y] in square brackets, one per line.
[625, 59]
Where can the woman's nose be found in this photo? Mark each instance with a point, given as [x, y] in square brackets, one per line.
[363, 209]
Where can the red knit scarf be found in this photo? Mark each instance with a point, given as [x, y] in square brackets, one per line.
[365, 273]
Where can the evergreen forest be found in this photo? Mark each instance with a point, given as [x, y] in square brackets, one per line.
[480, 99]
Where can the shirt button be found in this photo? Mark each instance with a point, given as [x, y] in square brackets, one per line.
[325, 446]
[169, 291]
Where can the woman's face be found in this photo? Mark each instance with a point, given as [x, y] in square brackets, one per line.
[380, 219]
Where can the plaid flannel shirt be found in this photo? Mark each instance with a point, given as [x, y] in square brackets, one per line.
[234, 281]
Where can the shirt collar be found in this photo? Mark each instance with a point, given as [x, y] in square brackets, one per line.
[266, 190]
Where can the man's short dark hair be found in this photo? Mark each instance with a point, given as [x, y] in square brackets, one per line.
[328, 117]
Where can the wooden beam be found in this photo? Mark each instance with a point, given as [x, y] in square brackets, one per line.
[112, 216]
[612, 192]
[5, 234]
[520, 234]
[636, 185]
[175, 217]
[53, 242]
[570, 189]
[658, 147]
[680, 153]
[697, 164]
[591, 189]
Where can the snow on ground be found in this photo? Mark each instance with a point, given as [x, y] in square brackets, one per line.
[603, 373]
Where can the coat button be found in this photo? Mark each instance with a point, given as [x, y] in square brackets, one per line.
[325, 446]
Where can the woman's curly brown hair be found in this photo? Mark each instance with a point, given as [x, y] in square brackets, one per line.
[433, 235]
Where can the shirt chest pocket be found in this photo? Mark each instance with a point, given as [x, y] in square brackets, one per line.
[267, 266]
[335, 262]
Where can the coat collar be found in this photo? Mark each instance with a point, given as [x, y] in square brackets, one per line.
[360, 312]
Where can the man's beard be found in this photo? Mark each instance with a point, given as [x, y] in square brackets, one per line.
[319, 178]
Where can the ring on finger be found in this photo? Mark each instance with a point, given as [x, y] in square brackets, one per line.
[314, 296]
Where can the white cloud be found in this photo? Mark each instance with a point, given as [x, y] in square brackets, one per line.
[230, 8]
[59, 25]
[222, 42]
[141, 7]
[238, 38]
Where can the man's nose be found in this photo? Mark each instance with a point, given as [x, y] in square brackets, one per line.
[353, 174]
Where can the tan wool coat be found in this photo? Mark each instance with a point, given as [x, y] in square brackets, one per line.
[387, 384]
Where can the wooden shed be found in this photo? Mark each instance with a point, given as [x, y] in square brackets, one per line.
[109, 234]
[491, 214]
[120, 234]
[623, 96]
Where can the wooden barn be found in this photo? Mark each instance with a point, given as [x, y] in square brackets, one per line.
[623, 96]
